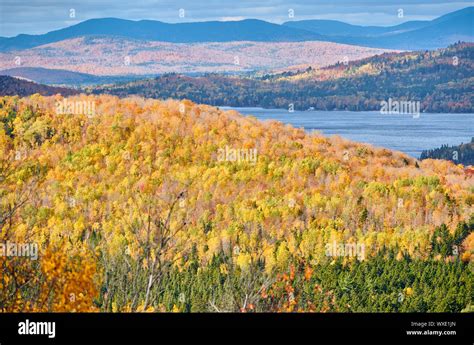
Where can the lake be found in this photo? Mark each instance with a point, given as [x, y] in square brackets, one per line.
[398, 132]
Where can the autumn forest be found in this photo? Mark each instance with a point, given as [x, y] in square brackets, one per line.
[146, 205]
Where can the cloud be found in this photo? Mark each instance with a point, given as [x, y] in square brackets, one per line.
[231, 19]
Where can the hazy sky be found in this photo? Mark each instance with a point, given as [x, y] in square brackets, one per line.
[40, 16]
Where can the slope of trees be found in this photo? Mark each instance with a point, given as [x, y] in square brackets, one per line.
[442, 81]
[137, 208]
[11, 86]
[460, 154]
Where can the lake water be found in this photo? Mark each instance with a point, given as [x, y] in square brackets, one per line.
[398, 132]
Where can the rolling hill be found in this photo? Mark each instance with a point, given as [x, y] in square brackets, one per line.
[10, 86]
[62, 77]
[121, 56]
[441, 80]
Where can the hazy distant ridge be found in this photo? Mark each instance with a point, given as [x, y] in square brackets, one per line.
[409, 35]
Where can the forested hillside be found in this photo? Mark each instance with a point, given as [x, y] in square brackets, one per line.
[460, 154]
[174, 206]
[10, 86]
[442, 81]
[62, 77]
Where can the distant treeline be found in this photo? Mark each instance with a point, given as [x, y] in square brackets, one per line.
[442, 81]
[461, 154]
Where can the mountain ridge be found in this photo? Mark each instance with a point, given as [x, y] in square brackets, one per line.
[212, 31]
[413, 34]
[437, 33]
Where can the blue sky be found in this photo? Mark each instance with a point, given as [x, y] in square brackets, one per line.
[40, 16]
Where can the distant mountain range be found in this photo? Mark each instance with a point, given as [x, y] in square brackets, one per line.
[150, 30]
[337, 28]
[437, 33]
[411, 35]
